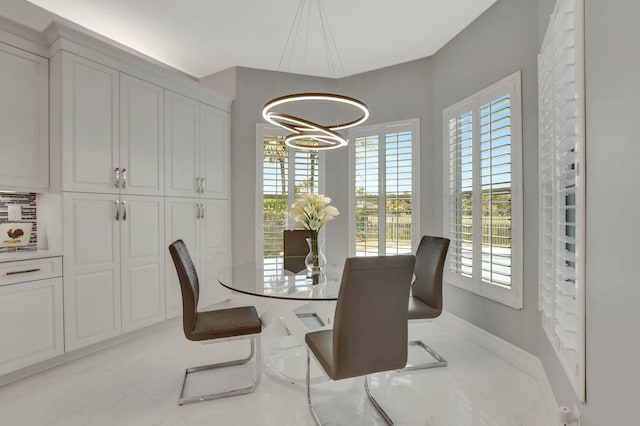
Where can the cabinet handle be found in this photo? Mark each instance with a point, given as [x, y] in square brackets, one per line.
[124, 179]
[117, 210]
[202, 207]
[204, 182]
[197, 211]
[117, 177]
[197, 184]
[26, 271]
[124, 210]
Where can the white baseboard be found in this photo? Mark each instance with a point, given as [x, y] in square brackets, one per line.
[521, 359]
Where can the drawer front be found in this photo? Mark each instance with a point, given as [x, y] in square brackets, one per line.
[30, 270]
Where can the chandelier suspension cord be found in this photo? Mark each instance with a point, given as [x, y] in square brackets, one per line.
[306, 39]
[306, 134]
[331, 37]
[286, 44]
[328, 36]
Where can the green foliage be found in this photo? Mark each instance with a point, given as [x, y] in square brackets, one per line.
[275, 221]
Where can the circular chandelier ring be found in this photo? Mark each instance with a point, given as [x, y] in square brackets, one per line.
[298, 97]
[323, 143]
[303, 129]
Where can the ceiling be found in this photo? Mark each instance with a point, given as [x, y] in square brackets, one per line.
[202, 37]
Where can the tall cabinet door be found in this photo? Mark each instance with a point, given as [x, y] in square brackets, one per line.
[24, 119]
[90, 136]
[214, 251]
[91, 269]
[182, 222]
[214, 151]
[141, 137]
[181, 146]
[142, 261]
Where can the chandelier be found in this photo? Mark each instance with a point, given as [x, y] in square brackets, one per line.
[305, 134]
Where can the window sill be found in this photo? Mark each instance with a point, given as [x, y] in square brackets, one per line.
[510, 297]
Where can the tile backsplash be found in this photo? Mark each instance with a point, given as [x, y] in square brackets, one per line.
[28, 203]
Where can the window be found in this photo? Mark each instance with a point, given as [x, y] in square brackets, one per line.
[283, 174]
[482, 176]
[562, 188]
[384, 188]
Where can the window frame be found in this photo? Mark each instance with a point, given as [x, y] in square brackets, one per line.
[511, 296]
[263, 130]
[381, 130]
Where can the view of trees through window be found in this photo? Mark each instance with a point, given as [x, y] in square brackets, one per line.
[383, 159]
[286, 172]
[492, 162]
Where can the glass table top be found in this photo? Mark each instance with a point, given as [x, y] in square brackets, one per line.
[282, 278]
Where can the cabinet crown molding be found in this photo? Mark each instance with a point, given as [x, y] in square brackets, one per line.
[110, 53]
[88, 44]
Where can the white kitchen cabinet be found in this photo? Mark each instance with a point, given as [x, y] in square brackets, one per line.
[91, 269]
[89, 125]
[24, 120]
[181, 146]
[142, 259]
[214, 250]
[141, 165]
[197, 148]
[202, 225]
[214, 151]
[114, 265]
[31, 319]
[112, 130]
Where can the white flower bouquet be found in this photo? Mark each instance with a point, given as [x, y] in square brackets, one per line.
[311, 212]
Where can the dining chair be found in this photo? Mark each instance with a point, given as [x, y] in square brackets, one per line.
[219, 325]
[369, 332]
[295, 248]
[295, 242]
[425, 301]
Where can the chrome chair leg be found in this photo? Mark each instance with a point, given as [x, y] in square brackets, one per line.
[440, 362]
[375, 403]
[314, 415]
[316, 419]
[255, 351]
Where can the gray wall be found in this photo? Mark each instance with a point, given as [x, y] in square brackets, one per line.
[253, 89]
[223, 82]
[613, 201]
[395, 93]
[498, 43]
[504, 39]
[403, 92]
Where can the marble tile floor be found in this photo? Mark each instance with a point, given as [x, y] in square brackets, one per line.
[137, 383]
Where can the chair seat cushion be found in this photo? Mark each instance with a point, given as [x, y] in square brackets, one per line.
[321, 344]
[420, 310]
[223, 323]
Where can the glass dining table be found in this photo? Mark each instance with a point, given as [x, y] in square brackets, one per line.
[297, 301]
[282, 278]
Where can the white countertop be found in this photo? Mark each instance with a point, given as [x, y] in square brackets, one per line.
[11, 256]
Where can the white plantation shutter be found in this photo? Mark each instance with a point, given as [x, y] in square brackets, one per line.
[275, 178]
[305, 172]
[495, 169]
[483, 181]
[384, 188]
[562, 188]
[286, 173]
[366, 195]
[398, 192]
[460, 183]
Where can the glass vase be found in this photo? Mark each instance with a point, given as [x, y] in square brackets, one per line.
[315, 260]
